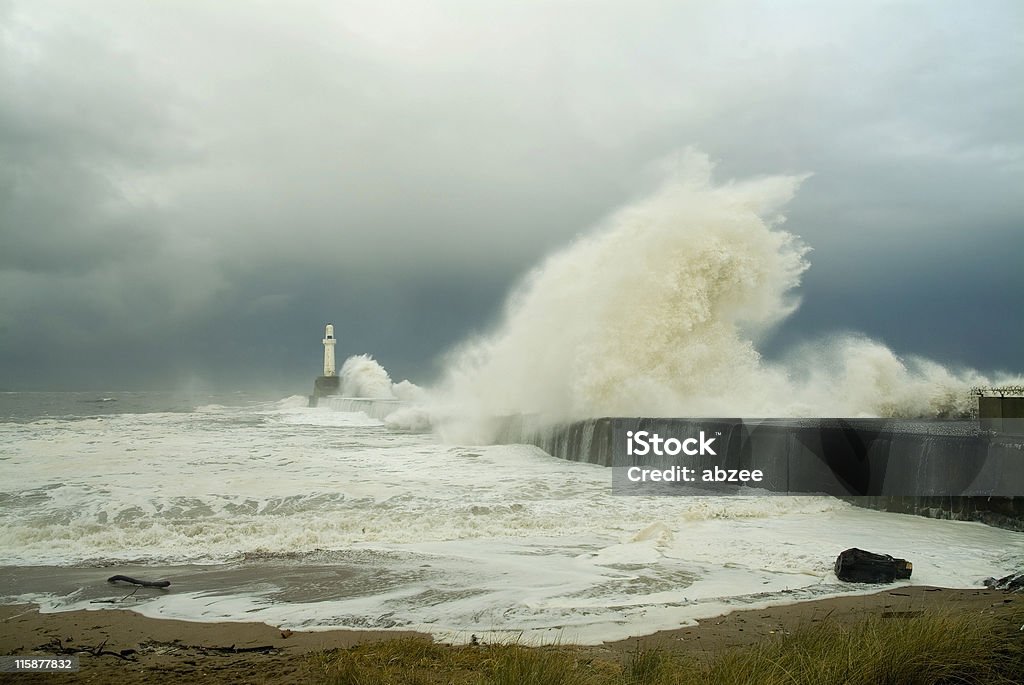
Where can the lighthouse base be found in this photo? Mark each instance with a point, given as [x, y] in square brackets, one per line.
[324, 386]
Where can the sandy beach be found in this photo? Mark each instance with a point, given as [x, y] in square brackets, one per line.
[116, 645]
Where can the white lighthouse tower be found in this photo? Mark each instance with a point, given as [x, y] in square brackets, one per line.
[329, 383]
[329, 341]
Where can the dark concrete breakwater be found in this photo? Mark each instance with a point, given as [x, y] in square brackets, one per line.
[941, 469]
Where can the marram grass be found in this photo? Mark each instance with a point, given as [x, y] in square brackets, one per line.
[930, 649]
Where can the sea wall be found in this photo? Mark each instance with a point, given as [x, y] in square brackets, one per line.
[1001, 414]
[375, 409]
[938, 469]
[1001, 512]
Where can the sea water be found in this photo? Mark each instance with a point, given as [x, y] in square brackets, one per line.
[316, 518]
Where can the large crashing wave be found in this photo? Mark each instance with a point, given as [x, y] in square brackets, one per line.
[658, 312]
[362, 376]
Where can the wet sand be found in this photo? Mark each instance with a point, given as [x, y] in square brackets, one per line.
[134, 649]
[130, 648]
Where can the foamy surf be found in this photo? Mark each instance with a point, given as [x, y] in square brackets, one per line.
[310, 518]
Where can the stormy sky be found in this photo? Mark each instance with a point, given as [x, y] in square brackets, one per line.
[189, 190]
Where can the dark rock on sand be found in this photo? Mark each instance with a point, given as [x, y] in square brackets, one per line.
[858, 566]
[1013, 582]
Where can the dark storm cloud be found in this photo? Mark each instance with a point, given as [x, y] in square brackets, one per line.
[192, 189]
[76, 136]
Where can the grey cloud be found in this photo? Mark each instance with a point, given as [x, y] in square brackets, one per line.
[186, 171]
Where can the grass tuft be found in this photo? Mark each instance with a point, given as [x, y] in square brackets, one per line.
[928, 649]
[924, 650]
[521, 665]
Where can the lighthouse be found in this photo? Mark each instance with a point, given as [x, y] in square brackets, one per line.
[329, 350]
[329, 383]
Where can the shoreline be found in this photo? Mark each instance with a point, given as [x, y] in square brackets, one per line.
[135, 648]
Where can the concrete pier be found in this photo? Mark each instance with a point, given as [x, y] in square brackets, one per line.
[942, 469]
[1001, 414]
[324, 386]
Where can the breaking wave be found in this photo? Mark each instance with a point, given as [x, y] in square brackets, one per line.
[362, 376]
[659, 311]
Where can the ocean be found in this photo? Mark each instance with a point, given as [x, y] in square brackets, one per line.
[260, 509]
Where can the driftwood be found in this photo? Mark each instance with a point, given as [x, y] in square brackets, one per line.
[857, 566]
[264, 649]
[55, 646]
[143, 583]
[115, 601]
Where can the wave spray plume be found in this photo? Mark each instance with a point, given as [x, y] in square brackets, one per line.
[658, 312]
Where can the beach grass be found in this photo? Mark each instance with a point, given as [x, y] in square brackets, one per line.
[933, 648]
[417, 661]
